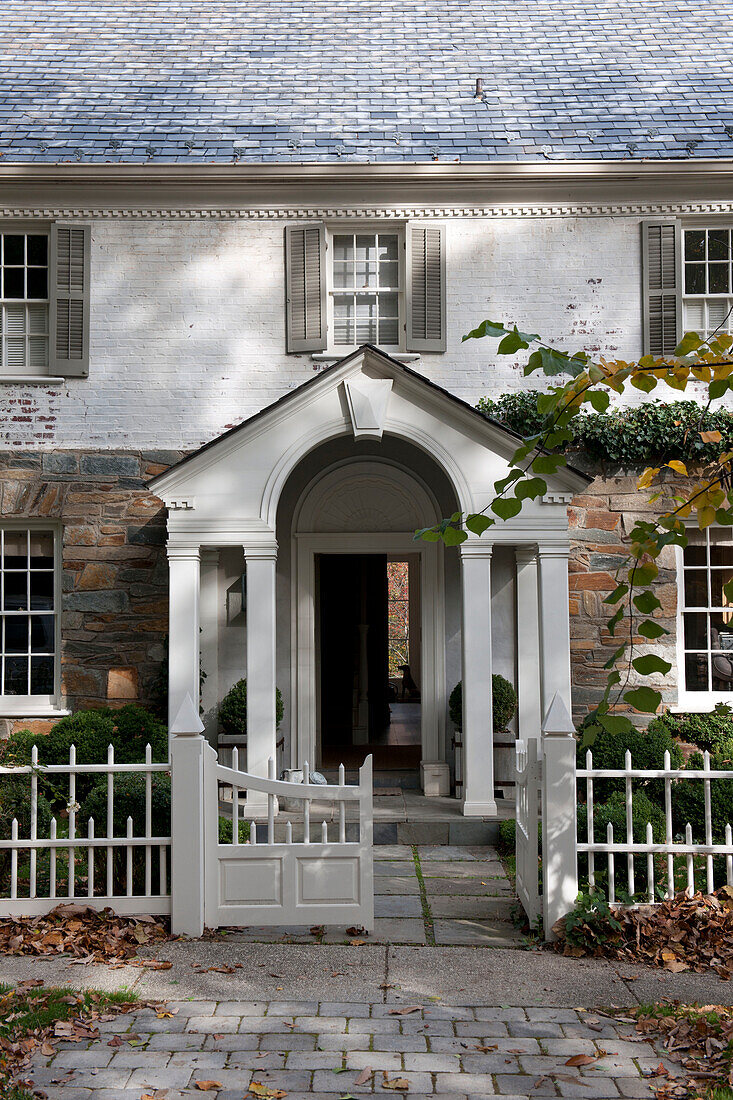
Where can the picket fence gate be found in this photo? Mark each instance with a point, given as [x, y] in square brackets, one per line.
[190, 874]
[527, 780]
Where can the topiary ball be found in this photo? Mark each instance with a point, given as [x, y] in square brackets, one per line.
[504, 703]
[233, 709]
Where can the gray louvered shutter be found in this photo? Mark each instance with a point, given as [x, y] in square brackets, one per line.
[425, 287]
[305, 281]
[661, 244]
[69, 296]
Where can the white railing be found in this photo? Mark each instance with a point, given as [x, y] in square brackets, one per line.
[32, 888]
[528, 779]
[314, 879]
[626, 849]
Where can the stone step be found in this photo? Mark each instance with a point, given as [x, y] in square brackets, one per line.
[456, 830]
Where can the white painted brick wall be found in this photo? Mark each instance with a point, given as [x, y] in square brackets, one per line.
[187, 323]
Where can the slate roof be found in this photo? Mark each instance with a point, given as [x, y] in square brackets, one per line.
[184, 81]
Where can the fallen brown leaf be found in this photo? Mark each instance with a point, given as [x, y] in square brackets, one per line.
[582, 1060]
[404, 1011]
[207, 1086]
[258, 1089]
[397, 1084]
[364, 1076]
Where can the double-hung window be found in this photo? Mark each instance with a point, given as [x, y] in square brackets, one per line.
[367, 289]
[29, 609]
[44, 300]
[24, 302]
[705, 618]
[707, 301]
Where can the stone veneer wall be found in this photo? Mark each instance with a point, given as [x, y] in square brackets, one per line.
[600, 518]
[114, 614]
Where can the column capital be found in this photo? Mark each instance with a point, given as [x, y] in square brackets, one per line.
[183, 551]
[260, 551]
[554, 550]
[476, 549]
[526, 555]
[209, 555]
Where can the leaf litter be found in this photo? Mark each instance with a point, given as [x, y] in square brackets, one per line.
[89, 935]
[683, 933]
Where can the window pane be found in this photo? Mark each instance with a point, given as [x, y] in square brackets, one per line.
[718, 278]
[366, 261]
[695, 244]
[389, 274]
[695, 278]
[16, 597]
[718, 244]
[343, 248]
[13, 248]
[37, 282]
[719, 577]
[38, 351]
[343, 320]
[366, 319]
[37, 249]
[41, 550]
[721, 667]
[721, 631]
[16, 550]
[42, 640]
[696, 631]
[42, 676]
[721, 546]
[13, 282]
[696, 588]
[388, 320]
[16, 675]
[343, 276]
[41, 591]
[16, 634]
[37, 319]
[696, 671]
[695, 553]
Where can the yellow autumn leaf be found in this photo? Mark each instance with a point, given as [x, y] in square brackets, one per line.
[647, 477]
[677, 466]
[266, 1091]
[710, 437]
[705, 516]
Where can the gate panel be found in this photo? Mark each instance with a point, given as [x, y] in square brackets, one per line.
[528, 776]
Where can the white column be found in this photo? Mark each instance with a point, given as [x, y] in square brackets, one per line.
[209, 640]
[554, 626]
[183, 627]
[528, 643]
[260, 566]
[478, 735]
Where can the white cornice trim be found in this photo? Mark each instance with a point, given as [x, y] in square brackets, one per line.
[574, 210]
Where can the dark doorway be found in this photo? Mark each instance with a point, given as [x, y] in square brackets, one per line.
[360, 710]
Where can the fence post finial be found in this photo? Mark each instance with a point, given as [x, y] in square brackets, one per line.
[187, 722]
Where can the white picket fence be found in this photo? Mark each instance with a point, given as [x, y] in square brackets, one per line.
[528, 774]
[550, 788]
[88, 878]
[627, 850]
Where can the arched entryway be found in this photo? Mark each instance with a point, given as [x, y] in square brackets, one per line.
[349, 514]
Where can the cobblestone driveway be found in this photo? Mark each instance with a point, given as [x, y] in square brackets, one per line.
[316, 1049]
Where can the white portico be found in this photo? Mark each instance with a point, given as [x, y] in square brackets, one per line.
[309, 498]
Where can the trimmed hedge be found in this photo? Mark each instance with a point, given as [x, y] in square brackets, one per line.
[504, 703]
[713, 731]
[233, 709]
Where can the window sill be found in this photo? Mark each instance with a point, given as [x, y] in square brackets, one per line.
[41, 711]
[701, 703]
[32, 379]
[334, 356]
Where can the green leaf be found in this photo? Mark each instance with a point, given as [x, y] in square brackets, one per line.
[512, 342]
[505, 482]
[618, 594]
[644, 699]
[426, 534]
[505, 509]
[644, 382]
[651, 663]
[615, 723]
[452, 536]
[614, 621]
[644, 574]
[552, 362]
[649, 629]
[689, 342]
[600, 400]
[487, 328]
[531, 488]
[718, 387]
[547, 464]
[618, 654]
[646, 602]
[478, 523]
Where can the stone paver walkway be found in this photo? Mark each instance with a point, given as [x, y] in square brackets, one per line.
[307, 1048]
[426, 896]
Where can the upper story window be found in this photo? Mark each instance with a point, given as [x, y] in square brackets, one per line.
[367, 288]
[29, 578]
[707, 280]
[705, 639]
[24, 303]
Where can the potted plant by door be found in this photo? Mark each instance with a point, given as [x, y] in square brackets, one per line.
[504, 700]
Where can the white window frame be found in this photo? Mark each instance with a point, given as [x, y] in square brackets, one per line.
[696, 226]
[28, 372]
[338, 229]
[40, 706]
[692, 701]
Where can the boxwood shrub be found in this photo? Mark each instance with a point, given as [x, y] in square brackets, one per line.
[504, 703]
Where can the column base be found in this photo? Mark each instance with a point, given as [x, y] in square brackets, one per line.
[255, 806]
[479, 809]
[435, 779]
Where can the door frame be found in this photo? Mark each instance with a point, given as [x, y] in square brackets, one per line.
[304, 739]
